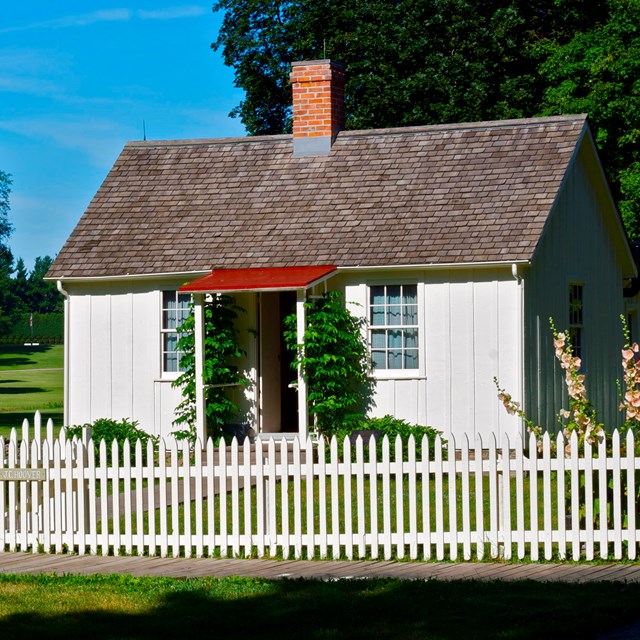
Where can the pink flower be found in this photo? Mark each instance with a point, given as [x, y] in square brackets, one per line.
[558, 343]
[627, 354]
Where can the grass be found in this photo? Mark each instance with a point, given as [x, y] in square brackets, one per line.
[31, 378]
[118, 607]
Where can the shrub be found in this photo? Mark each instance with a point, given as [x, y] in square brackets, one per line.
[392, 427]
[110, 430]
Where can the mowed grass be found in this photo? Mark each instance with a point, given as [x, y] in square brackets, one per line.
[114, 607]
[31, 379]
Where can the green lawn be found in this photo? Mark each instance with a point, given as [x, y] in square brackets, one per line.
[31, 378]
[111, 607]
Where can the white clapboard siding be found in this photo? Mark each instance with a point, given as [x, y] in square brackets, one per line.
[309, 499]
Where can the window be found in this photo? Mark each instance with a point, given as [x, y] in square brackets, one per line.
[175, 310]
[393, 319]
[576, 319]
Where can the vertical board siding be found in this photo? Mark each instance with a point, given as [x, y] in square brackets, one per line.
[456, 500]
[115, 368]
[122, 356]
[470, 332]
[583, 207]
[100, 350]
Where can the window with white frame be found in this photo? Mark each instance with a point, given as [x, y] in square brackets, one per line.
[175, 310]
[393, 325]
[576, 326]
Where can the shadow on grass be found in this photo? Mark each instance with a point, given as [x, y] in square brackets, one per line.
[253, 608]
[21, 354]
[11, 391]
[11, 419]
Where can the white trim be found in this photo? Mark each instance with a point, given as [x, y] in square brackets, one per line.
[303, 411]
[433, 266]
[66, 347]
[198, 330]
[135, 276]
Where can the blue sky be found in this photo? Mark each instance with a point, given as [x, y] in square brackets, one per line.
[77, 79]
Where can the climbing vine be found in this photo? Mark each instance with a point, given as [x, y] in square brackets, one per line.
[335, 361]
[219, 373]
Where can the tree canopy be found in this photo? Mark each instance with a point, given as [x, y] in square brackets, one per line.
[598, 72]
[7, 298]
[5, 190]
[408, 61]
[412, 62]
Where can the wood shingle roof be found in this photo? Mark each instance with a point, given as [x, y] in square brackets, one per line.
[477, 192]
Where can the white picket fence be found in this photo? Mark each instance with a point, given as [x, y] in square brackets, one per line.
[292, 499]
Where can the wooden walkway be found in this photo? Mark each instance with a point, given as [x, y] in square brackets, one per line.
[26, 563]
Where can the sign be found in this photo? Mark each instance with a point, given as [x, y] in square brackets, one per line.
[39, 475]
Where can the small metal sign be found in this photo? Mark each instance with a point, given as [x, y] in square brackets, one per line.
[39, 475]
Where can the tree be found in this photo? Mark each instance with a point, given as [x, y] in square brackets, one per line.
[42, 296]
[21, 286]
[5, 190]
[598, 72]
[408, 61]
[7, 297]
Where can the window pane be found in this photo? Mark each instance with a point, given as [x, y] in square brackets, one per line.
[184, 300]
[170, 341]
[170, 361]
[378, 339]
[378, 360]
[411, 359]
[169, 299]
[410, 294]
[393, 294]
[377, 316]
[393, 315]
[377, 295]
[410, 315]
[394, 339]
[168, 319]
[411, 339]
[395, 360]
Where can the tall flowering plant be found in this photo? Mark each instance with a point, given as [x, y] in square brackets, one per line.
[581, 415]
[630, 395]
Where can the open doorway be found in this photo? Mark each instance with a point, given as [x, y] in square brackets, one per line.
[278, 395]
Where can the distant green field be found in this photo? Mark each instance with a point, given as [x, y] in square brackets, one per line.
[31, 379]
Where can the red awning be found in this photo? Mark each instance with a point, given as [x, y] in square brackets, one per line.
[261, 279]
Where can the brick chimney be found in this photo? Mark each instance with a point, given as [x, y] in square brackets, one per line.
[318, 106]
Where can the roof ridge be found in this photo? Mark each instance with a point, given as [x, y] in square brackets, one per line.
[391, 131]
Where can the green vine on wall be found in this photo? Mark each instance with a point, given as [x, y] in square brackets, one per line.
[219, 374]
[335, 361]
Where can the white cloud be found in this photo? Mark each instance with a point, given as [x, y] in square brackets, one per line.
[28, 70]
[82, 20]
[99, 140]
[112, 15]
[171, 13]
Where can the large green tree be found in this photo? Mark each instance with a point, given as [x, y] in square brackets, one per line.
[7, 297]
[413, 62]
[598, 72]
[408, 61]
[42, 296]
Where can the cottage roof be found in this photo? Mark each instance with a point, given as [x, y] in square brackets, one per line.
[457, 193]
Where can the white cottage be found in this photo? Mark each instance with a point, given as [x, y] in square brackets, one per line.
[473, 234]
